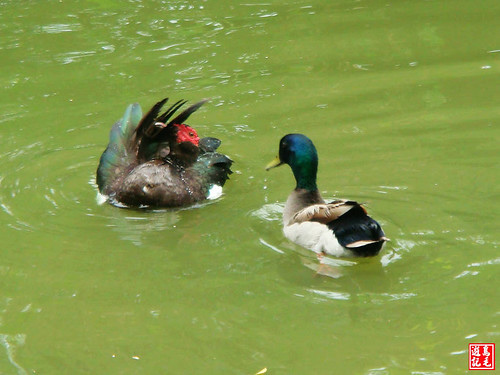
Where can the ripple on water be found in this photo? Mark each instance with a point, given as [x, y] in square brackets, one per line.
[473, 269]
[11, 343]
[43, 182]
[52, 190]
[375, 298]
[269, 212]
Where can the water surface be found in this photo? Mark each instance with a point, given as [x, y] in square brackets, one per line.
[401, 100]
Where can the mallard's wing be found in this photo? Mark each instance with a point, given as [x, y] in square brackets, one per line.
[325, 212]
[349, 224]
[357, 231]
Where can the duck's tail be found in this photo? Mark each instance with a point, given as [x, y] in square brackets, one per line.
[215, 168]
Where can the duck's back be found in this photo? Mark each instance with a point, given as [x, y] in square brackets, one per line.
[163, 183]
[156, 184]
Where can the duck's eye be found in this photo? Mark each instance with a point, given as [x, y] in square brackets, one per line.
[191, 134]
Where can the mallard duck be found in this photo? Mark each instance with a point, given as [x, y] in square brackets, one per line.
[154, 161]
[341, 228]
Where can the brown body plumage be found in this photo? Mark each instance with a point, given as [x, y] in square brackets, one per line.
[152, 162]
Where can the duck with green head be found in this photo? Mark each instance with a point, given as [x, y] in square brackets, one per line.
[341, 228]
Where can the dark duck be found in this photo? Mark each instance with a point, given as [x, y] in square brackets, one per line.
[341, 228]
[156, 160]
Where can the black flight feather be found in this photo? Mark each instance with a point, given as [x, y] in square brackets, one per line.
[146, 126]
[183, 116]
[355, 225]
[168, 113]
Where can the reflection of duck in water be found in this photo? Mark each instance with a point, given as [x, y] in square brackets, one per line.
[154, 161]
[340, 228]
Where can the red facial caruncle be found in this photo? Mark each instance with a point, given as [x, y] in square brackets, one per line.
[186, 133]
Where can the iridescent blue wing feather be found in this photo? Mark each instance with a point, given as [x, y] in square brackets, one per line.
[120, 155]
[214, 167]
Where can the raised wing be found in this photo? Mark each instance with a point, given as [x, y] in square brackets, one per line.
[120, 152]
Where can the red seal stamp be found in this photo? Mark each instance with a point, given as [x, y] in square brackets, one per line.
[482, 356]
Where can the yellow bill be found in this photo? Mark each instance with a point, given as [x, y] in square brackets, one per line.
[275, 163]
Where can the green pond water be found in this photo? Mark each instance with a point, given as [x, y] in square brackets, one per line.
[402, 101]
